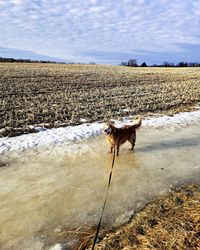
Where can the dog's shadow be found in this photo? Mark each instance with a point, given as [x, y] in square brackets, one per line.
[169, 144]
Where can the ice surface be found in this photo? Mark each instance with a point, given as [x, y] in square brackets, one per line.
[64, 186]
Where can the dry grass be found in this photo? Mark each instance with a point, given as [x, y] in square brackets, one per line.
[52, 95]
[172, 222]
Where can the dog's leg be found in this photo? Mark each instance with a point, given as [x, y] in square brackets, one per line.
[117, 149]
[132, 140]
[111, 149]
[133, 145]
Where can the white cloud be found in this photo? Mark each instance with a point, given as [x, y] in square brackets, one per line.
[16, 2]
[69, 28]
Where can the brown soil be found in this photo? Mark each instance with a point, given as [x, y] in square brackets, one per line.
[56, 95]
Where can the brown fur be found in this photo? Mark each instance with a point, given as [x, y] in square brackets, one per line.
[118, 136]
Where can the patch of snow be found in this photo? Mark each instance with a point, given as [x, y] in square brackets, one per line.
[124, 218]
[83, 120]
[39, 129]
[58, 229]
[57, 247]
[178, 120]
[50, 137]
[127, 110]
[31, 127]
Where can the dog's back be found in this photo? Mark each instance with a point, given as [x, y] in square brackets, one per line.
[121, 135]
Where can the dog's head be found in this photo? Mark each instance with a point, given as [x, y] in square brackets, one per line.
[109, 128]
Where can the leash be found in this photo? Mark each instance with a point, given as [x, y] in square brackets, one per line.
[108, 187]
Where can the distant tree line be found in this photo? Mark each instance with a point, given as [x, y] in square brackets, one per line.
[133, 63]
[181, 64]
[130, 63]
[6, 59]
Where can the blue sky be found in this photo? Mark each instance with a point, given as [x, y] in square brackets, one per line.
[101, 31]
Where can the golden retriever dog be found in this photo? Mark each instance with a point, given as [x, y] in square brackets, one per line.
[118, 136]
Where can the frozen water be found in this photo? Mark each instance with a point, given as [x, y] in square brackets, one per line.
[60, 179]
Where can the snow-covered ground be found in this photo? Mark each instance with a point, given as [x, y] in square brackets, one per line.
[50, 137]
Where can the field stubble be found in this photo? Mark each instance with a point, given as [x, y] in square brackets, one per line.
[56, 95]
[172, 222]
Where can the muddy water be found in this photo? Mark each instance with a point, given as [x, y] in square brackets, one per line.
[65, 185]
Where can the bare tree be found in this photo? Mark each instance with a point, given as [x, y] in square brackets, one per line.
[123, 64]
[132, 63]
[144, 64]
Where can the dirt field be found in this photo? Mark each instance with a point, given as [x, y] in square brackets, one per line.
[55, 95]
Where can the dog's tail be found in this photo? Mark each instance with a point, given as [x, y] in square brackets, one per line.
[138, 122]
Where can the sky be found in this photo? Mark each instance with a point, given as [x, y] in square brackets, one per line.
[101, 31]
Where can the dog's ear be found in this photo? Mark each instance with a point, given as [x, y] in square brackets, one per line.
[111, 122]
[105, 126]
[138, 117]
